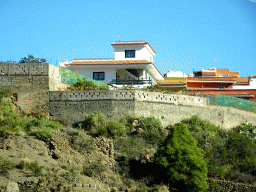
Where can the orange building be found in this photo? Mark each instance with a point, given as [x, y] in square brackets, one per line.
[214, 81]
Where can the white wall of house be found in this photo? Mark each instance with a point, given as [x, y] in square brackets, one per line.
[110, 74]
[252, 85]
[175, 74]
[123, 74]
[142, 52]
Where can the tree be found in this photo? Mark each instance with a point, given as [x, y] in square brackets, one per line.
[31, 59]
[181, 161]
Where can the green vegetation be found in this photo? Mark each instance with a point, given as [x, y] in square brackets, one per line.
[30, 166]
[183, 160]
[84, 84]
[93, 169]
[82, 142]
[155, 88]
[97, 125]
[5, 93]
[94, 120]
[31, 59]
[14, 123]
[5, 165]
[228, 154]
[150, 123]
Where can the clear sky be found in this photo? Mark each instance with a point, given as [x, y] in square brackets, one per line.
[224, 30]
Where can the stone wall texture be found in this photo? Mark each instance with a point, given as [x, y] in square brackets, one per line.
[30, 83]
[169, 108]
[216, 185]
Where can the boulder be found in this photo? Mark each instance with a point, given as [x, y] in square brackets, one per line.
[12, 187]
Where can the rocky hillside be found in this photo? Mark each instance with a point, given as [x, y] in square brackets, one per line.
[37, 154]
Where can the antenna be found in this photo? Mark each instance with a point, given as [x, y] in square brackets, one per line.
[118, 37]
[215, 61]
[195, 61]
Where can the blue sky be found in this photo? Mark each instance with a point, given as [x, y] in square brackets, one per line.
[177, 30]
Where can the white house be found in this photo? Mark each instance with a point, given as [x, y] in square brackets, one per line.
[133, 64]
[175, 74]
[252, 84]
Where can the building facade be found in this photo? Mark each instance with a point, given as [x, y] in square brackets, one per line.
[132, 65]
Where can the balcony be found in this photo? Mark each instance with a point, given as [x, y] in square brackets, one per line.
[129, 82]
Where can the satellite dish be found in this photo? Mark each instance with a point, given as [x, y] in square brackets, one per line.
[118, 37]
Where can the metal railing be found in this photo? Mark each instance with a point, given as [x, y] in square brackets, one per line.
[134, 82]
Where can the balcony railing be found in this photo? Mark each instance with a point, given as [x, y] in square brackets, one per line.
[128, 82]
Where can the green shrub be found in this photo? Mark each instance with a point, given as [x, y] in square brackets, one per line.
[196, 124]
[93, 120]
[3, 132]
[153, 137]
[83, 84]
[5, 165]
[5, 93]
[182, 161]
[83, 142]
[102, 131]
[31, 166]
[246, 129]
[132, 147]
[93, 169]
[115, 129]
[150, 123]
[76, 132]
[244, 151]
[42, 134]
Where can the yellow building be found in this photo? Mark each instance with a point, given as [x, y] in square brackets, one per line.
[174, 84]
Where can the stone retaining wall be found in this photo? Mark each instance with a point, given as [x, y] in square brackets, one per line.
[216, 185]
[169, 108]
[30, 83]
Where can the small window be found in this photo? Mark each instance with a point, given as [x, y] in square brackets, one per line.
[129, 53]
[223, 75]
[99, 75]
[222, 87]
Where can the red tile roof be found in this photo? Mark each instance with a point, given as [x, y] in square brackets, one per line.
[211, 79]
[171, 83]
[132, 43]
[209, 73]
[112, 62]
[108, 62]
[241, 79]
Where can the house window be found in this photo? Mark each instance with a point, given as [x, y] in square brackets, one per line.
[129, 53]
[222, 87]
[99, 75]
[223, 75]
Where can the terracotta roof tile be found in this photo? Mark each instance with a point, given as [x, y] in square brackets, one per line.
[170, 83]
[209, 73]
[112, 62]
[108, 62]
[241, 79]
[211, 78]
